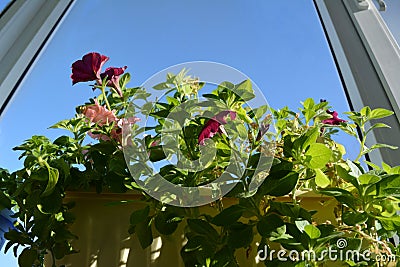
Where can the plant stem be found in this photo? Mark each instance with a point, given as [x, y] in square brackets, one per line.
[103, 91]
[187, 145]
[362, 144]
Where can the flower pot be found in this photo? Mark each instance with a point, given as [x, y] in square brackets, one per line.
[104, 240]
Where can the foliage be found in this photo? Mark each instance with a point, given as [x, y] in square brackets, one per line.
[305, 158]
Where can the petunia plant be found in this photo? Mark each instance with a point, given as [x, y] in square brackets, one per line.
[125, 139]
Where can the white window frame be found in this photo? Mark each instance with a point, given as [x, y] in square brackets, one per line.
[26, 27]
[368, 61]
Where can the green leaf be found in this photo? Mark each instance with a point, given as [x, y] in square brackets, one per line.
[161, 86]
[312, 231]
[309, 114]
[139, 216]
[321, 179]
[53, 179]
[223, 146]
[352, 218]
[389, 185]
[226, 85]
[301, 224]
[224, 257]
[366, 111]
[242, 113]
[156, 153]
[241, 129]
[228, 216]
[202, 227]
[306, 139]
[309, 103]
[198, 248]
[124, 80]
[244, 90]
[211, 96]
[279, 183]
[269, 224]
[260, 111]
[62, 249]
[63, 140]
[144, 233]
[51, 204]
[117, 165]
[280, 234]
[317, 156]
[368, 179]
[373, 166]
[173, 101]
[345, 175]
[309, 109]
[378, 125]
[240, 235]
[380, 113]
[5, 202]
[387, 168]
[390, 224]
[27, 257]
[341, 195]
[166, 222]
[280, 165]
[291, 210]
[376, 146]
[61, 125]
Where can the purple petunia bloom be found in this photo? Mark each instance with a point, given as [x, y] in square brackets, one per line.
[88, 68]
[335, 120]
[214, 124]
[112, 75]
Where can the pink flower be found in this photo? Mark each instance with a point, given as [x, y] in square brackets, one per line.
[112, 75]
[214, 125]
[335, 120]
[127, 121]
[116, 133]
[99, 114]
[102, 116]
[88, 68]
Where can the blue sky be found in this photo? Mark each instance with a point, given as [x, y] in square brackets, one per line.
[280, 45]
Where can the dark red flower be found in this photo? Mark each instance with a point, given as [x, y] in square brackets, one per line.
[112, 75]
[335, 120]
[88, 68]
[213, 125]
